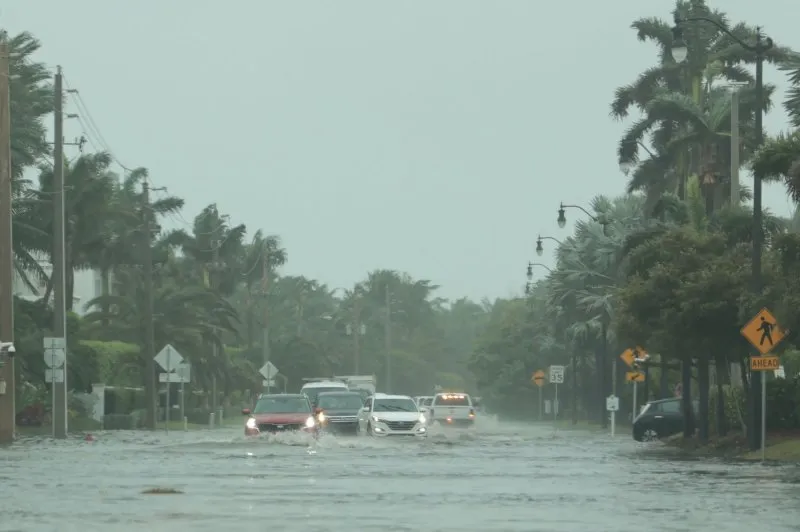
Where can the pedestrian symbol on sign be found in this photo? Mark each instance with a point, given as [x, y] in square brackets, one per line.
[766, 331]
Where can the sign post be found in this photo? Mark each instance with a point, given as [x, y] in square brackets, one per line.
[556, 378]
[55, 356]
[632, 357]
[764, 333]
[269, 371]
[538, 380]
[612, 405]
[169, 359]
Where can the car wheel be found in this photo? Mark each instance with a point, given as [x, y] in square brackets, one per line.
[649, 435]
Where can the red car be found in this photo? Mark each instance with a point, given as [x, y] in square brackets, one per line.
[280, 413]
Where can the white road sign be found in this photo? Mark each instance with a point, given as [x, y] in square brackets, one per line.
[55, 352]
[612, 403]
[556, 374]
[170, 377]
[268, 370]
[268, 383]
[54, 375]
[184, 371]
[168, 358]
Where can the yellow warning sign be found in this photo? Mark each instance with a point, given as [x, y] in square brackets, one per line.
[763, 331]
[634, 376]
[765, 363]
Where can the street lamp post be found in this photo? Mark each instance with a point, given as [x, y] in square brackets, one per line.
[539, 248]
[562, 219]
[529, 274]
[680, 52]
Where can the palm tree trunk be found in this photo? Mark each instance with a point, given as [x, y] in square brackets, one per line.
[686, 392]
[105, 291]
[704, 385]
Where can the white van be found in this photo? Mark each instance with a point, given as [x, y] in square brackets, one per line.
[316, 387]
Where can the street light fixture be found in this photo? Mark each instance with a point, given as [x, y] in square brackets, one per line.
[539, 248]
[760, 48]
[562, 220]
[529, 271]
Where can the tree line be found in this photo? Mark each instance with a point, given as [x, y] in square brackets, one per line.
[667, 265]
[219, 295]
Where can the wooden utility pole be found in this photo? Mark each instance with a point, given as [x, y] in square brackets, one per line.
[149, 337]
[265, 351]
[58, 275]
[215, 268]
[7, 407]
[357, 335]
[388, 338]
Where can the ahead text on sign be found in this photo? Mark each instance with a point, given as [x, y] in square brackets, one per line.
[764, 363]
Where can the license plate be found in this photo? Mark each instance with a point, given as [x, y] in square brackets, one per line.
[280, 426]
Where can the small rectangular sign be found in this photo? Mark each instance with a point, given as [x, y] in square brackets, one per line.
[765, 363]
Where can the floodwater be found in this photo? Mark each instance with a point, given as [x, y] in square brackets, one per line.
[501, 477]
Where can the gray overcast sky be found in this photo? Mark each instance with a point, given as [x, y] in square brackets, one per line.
[434, 137]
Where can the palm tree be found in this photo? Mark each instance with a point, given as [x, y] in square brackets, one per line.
[713, 57]
[88, 191]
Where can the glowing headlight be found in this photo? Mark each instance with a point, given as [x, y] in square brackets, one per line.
[310, 422]
[422, 418]
[321, 417]
[251, 423]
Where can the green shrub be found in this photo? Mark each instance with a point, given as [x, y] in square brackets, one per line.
[118, 422]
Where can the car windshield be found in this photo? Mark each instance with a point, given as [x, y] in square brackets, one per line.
[282, 405]
[394, 405]
[340, 401]
[452, 400]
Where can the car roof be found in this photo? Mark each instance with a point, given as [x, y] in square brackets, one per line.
[326, 384]
[343, 392]
[270, 395]
[387, 396]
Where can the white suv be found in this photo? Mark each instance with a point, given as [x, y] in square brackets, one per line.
[391, 415]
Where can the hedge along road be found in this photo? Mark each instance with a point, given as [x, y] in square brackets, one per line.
[501, 477]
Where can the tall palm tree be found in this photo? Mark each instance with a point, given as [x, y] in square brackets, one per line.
[88, 191]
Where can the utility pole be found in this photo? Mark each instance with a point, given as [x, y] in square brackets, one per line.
[265, 352]
[7, 375]
[214, 350]
[59, 385]
[735, 147]
[356, 335]
[149, 337]
[388, 335]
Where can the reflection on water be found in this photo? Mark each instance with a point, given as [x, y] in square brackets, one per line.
[496, 477]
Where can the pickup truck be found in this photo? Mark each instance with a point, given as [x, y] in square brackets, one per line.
[452, 409]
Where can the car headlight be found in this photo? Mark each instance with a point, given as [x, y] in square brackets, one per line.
[422, 419]
[251, 423]
[321, 417]
[310, 422]
[375, 419]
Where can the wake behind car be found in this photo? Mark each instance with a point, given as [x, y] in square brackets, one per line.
[279, 413]
[339, 411]
[391, 415]
[452, 409]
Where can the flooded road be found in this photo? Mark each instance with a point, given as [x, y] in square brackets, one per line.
[504, 477]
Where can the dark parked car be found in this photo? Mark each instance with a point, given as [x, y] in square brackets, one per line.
[659, 419]
[339, 411]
